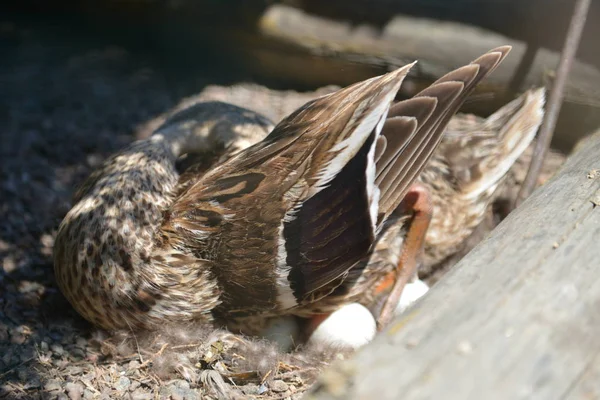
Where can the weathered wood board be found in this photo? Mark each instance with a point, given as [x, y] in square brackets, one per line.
[517, 318]
[440, 46]
[310, 50]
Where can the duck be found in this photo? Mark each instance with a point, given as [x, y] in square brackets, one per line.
[281, 227]
[475, 167]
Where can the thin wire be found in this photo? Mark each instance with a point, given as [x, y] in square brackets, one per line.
[555, 99]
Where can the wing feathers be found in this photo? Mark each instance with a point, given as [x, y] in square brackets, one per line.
[450, 92]
[362, 110]
[380, 147]
[318, 187]
[321, 249]
[397, 132]
[391, 178]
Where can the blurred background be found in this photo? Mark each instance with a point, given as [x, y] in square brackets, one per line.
[305, 44]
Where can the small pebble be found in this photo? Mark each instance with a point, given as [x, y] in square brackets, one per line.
[52, 385]
[6, 359]
[17, 337]
[74, 390]
[3, 334]
[140, 394]
[57, 349]
[32, 383]
[176, 394]
[81, 343]
[77, 353]
[122, 384]
[88, 394]
[181, 384]
[22, 374]
[262, 389]
[250, 389]
[278, 386]
[178, 390]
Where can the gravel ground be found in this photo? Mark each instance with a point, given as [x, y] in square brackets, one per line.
[62, 109]
[66, 102]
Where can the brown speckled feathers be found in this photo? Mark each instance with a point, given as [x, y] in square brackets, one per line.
[269, 231]
[470, 165]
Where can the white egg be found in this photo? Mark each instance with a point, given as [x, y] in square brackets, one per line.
[412, 292]
[352, 326]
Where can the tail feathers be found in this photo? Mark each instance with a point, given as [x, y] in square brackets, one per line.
[481, 155]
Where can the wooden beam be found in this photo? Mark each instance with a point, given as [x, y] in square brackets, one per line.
[517, 318]
[439, 46]
[308, 50]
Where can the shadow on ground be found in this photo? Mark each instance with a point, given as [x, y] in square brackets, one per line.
[66, 101]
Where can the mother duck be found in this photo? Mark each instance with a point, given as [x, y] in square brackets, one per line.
[273, 230]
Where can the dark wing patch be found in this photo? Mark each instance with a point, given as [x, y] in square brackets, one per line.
[331, 230]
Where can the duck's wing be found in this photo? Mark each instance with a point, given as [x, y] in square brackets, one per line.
[402, 163]
[294, 212]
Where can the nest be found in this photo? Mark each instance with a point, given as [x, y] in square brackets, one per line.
[220, 363]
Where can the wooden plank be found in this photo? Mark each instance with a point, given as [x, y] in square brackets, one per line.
[588, 386]
[518, 317]
[440, 47]
[310, 50]
[542, 21]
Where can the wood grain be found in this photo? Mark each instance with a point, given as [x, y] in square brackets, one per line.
[518, 317]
